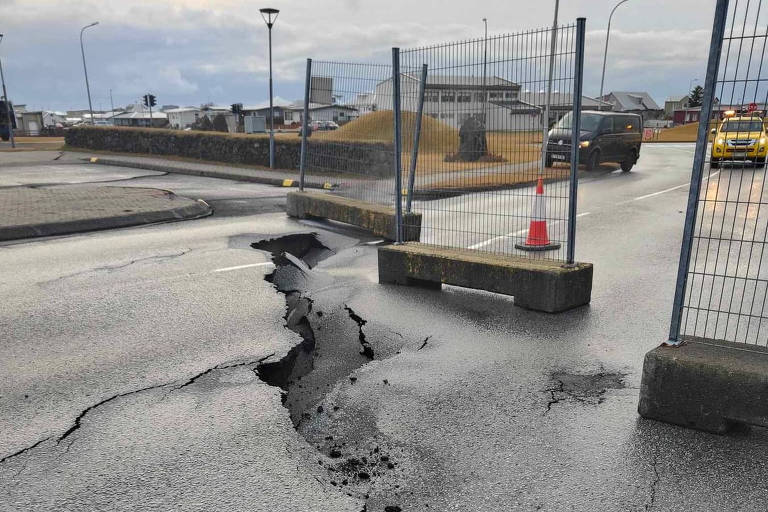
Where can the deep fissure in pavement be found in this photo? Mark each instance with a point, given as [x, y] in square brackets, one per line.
[366, 349]
[292, 255]
[353, 465]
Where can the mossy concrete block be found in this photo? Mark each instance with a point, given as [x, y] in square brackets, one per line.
[708, 385]
[540, 285]
[376, 218]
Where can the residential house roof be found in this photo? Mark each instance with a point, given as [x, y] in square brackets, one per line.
[675, 99]
[141, 115]
[463, 82]
[624, 100]
[558, 99]
[179, 110]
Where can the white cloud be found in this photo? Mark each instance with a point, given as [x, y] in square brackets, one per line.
[191, 51]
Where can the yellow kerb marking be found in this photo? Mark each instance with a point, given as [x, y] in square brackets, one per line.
[94, 159]
[327, 186]
[287, 183]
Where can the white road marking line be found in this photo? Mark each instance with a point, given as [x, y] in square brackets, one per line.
[515, 234]
[640, 198]
[227, 269]
[646, 196]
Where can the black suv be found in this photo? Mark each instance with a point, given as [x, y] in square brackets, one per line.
[604, 137]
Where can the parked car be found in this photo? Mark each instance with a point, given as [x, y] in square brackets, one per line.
[739, 138]
[323, 125]
[603, 137]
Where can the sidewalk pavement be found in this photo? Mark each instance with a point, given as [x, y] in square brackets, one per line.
[277, 177]
[27, 212]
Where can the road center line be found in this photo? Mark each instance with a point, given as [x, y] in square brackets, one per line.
[646, 196]
[228, 269]
[516, 233]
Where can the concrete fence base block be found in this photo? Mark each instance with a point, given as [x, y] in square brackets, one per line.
[378, 219]
[536, 284]
[708, 385]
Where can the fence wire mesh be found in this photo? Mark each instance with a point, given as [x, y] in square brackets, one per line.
[350, 129]
[724, 293]
[480, 151]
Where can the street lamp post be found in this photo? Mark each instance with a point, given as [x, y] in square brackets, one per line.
[605, 53]
[548, 99]
[485, 61]
[7, 103]
[85, 69]
[267, 14]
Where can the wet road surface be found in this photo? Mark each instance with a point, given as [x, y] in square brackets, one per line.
[129, 377]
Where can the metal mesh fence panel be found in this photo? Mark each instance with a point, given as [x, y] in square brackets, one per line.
[480, 146]
[723, 281]
[350, 135]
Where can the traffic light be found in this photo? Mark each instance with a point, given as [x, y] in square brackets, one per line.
[237, 108]
[150, 100]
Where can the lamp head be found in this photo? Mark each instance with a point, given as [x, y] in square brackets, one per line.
[269, 15]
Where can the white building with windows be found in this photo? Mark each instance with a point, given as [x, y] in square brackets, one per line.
[454, 99]
[183, 117]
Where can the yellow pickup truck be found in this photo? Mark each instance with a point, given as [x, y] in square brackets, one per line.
[739, 139]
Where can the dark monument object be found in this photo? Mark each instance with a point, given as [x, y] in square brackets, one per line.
[472, 143]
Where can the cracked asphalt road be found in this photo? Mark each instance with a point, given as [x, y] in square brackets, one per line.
[150, 336]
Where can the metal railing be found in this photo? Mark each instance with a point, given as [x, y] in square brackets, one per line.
[473, 141]
[722, 281]
[348, 131]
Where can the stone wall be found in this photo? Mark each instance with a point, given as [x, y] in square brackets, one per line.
[366, 158]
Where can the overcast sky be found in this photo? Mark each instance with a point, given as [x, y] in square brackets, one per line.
[192, 51]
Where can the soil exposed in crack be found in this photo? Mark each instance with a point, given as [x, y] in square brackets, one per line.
[589, 388]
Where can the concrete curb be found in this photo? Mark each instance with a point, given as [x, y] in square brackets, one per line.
[541, 285]
[376, 218]
[708, 385]
[194, 211]
[223, 174]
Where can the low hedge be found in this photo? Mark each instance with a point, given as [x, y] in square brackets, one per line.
[366, 158]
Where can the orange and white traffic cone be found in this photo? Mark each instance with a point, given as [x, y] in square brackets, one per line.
[538, 238]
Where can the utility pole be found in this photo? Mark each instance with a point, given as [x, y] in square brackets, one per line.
[545, 127]
[485, 63]
[7, 103]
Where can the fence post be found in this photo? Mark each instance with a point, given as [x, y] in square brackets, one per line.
[416, 136]
[575, 132]
[304, 126]
[710, 82]
[397, 145]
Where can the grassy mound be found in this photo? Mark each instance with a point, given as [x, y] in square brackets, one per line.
[436, 136]
[681, 133]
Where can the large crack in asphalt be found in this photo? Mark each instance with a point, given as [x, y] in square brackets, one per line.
[119, 266]
[327, 355]
[171, 386]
